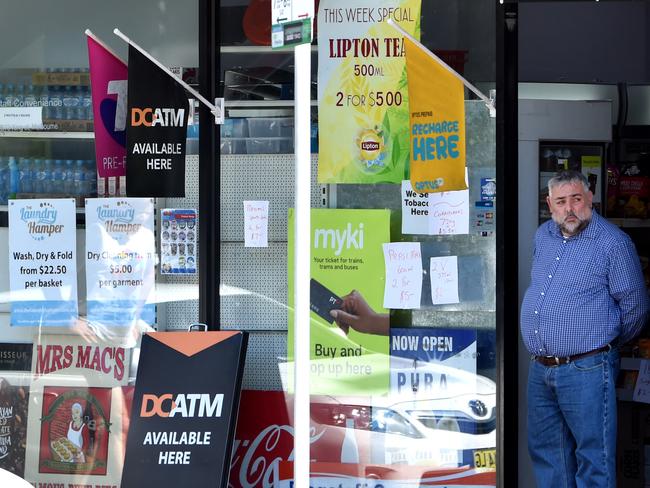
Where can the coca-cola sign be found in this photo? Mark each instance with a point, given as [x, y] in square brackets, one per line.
[264, 436]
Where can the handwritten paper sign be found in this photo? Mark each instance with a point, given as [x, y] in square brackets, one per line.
[256, 223]
[444, 279]
[642, 386]
[449, 212]
[415, 210]
[403, 275]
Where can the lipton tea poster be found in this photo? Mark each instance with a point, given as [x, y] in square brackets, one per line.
[349, 326]
[75, 431]
[363, 114]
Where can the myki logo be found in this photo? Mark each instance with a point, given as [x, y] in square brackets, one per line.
[164, 117]
[183, 405]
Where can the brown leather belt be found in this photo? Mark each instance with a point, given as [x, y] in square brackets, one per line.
[556, 361]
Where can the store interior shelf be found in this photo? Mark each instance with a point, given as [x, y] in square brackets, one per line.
[263, 103]
[630, 223]
[47, 135]
[258, 50]
[630, 363]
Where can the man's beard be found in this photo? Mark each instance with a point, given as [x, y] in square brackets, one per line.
[572, 228]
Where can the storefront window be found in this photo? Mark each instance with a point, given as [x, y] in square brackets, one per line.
[85, 267]
[402, 370]
[408, 392]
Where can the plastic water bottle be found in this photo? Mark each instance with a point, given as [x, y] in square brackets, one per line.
[56, 102]
[14, 177]
[86, 102]
[4, 180]
[58, 173]
[37, 170]
[25, 175]
[2, 95]
[70, 102]
[30, 96]
[68, 177]
[90, 178]
[78, 178]
[19, 97]
[44, 97]
[9, 95]
[47, 175]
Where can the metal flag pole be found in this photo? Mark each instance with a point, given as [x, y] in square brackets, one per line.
[476, 91]
[213, 109]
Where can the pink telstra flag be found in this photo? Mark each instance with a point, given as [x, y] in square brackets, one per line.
[108, 82]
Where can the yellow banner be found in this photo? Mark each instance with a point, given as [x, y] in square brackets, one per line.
[437, 124]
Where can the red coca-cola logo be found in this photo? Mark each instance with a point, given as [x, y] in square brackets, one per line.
[255, 462]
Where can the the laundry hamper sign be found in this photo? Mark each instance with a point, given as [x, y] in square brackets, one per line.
[184, 409]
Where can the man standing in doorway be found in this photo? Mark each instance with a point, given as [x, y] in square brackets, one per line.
[586, 295]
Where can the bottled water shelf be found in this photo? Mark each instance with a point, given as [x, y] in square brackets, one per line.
[39, 134]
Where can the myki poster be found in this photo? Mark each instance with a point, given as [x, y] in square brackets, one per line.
[362, 93]
[178, 241]
[184, 409]
[43, 262]
[349, 325]
[373, 476]
[436, 123]
[78, 405]
[108, 81]
[120, 261]
[156, 131]
[14, 400]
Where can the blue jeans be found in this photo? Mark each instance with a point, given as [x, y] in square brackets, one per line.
[572, 422]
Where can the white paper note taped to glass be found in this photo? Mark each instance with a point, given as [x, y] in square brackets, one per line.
[256, 223]
[403, 262]
[642, 386]
[415, 210]
[15, 118]
[444, 280]
[449, 212]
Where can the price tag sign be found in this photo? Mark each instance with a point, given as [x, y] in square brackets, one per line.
[291, 22]
[43, 262]
[120, 260]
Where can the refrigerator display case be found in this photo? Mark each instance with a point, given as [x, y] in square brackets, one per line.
[587, 157]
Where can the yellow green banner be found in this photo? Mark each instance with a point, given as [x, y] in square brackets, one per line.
[437, 123]
[362, 92]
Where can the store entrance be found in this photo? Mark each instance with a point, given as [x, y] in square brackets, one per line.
[583, 104]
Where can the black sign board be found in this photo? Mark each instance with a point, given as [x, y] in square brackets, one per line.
[156, 131]
[15, 356]
[184, 409]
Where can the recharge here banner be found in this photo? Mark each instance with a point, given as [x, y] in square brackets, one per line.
[362, 95]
